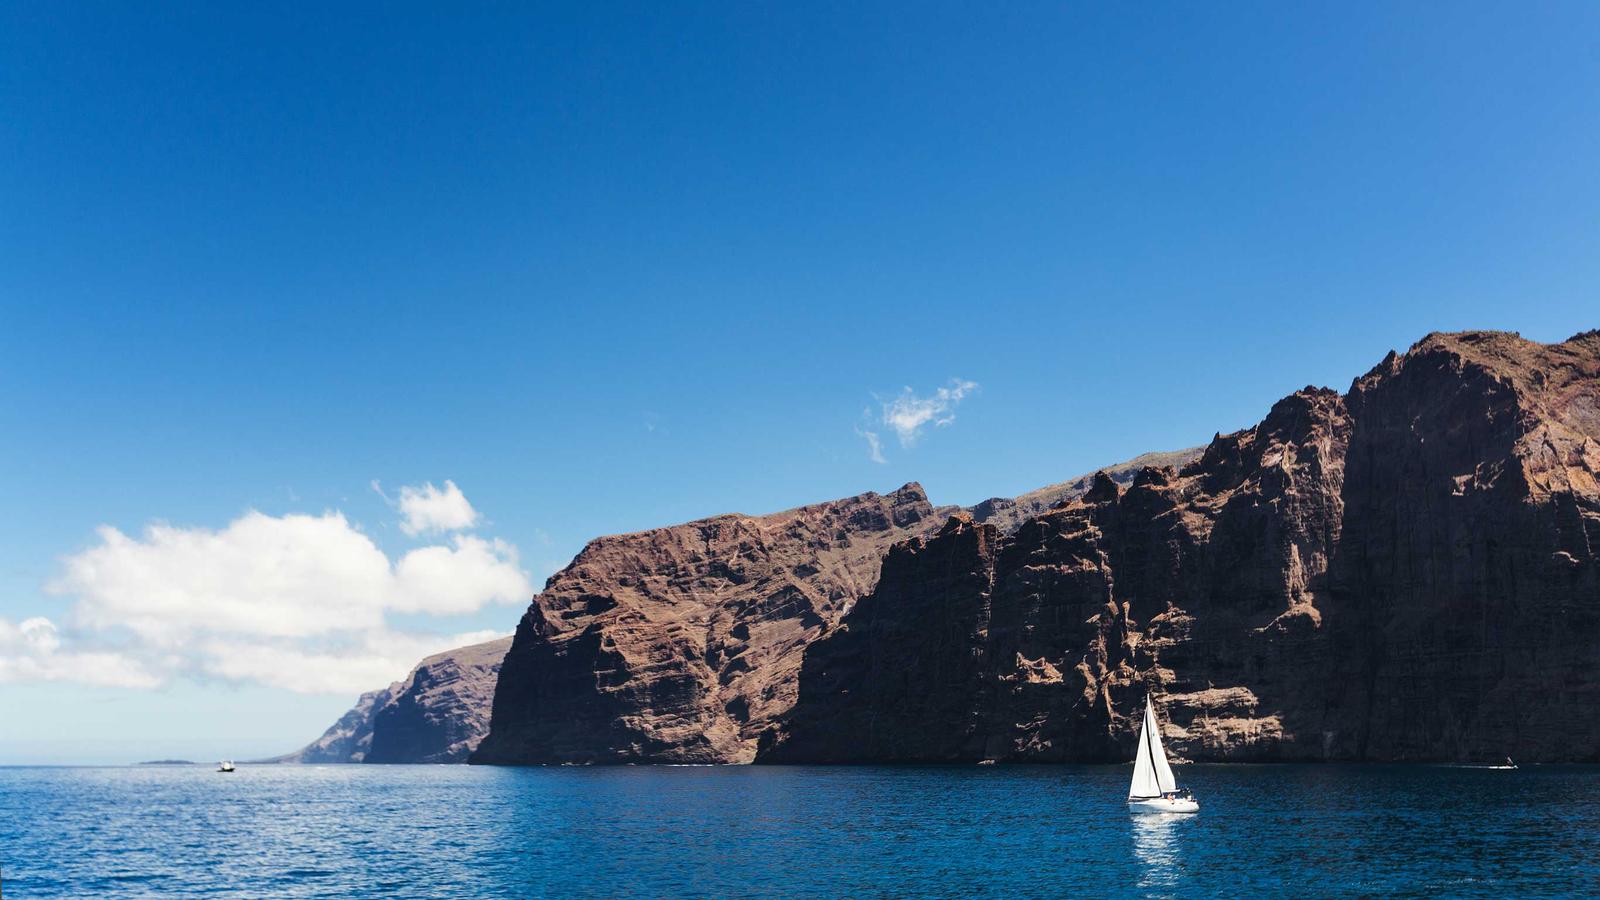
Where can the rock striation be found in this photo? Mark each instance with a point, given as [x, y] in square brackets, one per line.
[1008, 513]
[683, 644]
[437, 714]
[1407, 571]
[441, 711]
[347, 740]
[1404, 571]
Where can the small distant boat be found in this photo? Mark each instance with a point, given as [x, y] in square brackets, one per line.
[1154, 790]
[225, 766]
[1506, 766]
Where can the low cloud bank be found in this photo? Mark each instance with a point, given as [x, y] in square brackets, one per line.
[301, 602]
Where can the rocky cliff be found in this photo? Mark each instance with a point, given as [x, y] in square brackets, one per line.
[1008, 513]
[440, 712]
[1403, 571]
[683, 644]
[347, 740]
[437, 714]
[1406, 571]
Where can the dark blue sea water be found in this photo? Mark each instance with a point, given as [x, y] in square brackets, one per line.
[1036, 831]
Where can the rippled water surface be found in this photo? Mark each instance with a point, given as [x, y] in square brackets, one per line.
[1001, 831]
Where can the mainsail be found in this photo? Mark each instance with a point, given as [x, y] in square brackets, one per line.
[1151, 775]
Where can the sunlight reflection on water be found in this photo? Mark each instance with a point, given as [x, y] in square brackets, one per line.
[1156, 844]
[997, 831]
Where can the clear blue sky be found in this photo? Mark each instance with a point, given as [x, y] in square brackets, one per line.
[611, 267]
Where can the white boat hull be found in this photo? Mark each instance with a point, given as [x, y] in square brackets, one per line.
[1163, 805]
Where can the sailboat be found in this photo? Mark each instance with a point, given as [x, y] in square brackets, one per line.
[225, 766]
[1154, 789]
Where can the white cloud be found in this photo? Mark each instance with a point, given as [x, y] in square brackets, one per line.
[908, 414]
[460, 578]
[430, 510]
[289, 576]
[295, 601]
[375, 660]
[31, 651]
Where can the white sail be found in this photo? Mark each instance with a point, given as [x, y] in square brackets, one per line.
[1151, 775]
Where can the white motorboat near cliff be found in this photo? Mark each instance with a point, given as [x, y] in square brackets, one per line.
[1154, 789]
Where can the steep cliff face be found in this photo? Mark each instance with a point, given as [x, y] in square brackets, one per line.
[683, 644]
[441, 711]
[437, 714]
[1407, 571]
[1466, 582]
[1186, 582]
[347, 740]
[905, 677]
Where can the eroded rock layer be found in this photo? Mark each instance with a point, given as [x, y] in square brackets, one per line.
[437, 714]
[1407, 571]
[347, 740]
[441, 711]
[683, 644]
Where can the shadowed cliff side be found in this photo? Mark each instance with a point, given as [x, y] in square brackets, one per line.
[1407, 571]
[437, 714]
[682, 644]
[1467, 586]
[441, 711]
[347, 740]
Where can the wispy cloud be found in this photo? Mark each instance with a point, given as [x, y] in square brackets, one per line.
[874, 445]
[296, 601]
[908, 414]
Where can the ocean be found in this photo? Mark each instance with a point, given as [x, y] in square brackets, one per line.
[1001, 831]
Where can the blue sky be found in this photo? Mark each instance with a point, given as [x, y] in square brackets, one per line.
[610, 267]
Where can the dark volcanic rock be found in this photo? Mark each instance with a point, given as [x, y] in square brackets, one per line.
[1008, 513]
[1466, 581]
[683, 644]
[347, 740]
[1407, 571]
[906, 675]
[438, 714]
[441, 711]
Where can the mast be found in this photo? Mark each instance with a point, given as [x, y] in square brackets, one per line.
[1150, 745]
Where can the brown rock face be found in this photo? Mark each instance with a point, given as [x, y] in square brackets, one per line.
[1008, 513]
[1467, 591]
[347, 740]
[438, 714]
[441, 711]
[683, 644]
[1407, 571]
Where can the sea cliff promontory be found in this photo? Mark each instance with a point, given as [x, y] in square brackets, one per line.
[1405, 570]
